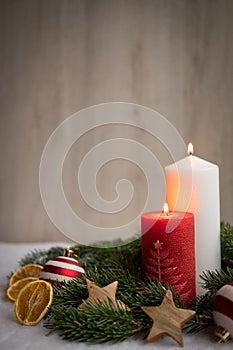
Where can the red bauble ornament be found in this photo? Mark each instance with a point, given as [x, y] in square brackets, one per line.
[223, 308]
[62, 269]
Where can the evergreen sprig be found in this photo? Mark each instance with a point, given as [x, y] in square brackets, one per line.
[202, 305]
[122, 262]
[214, 280]
[94, 324]
[227, 244]
[71, 294]
[41, 256]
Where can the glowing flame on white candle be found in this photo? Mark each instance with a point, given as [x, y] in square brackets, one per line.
[190, 149]
[165, 209]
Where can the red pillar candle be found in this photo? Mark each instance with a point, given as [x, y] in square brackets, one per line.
[168, 255]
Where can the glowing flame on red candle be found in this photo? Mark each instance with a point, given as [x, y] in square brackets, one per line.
[165, 209]
[190, 149]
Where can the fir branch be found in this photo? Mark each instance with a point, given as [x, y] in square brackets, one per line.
[203, 318]
[123, 263]
[71, 293]
[214, 280]
[94, 324]
[198, 323]
[41, 256]
[133, 292]
[203, 304]
[226, 240]
[127, 255]
[226, 245]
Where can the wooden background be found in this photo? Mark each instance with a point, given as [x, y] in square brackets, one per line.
[59, 56]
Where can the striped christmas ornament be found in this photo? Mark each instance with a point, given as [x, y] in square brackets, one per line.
[223, 308]
[62, 268]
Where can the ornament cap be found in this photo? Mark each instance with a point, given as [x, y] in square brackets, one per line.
[222, 335]
[69, 253]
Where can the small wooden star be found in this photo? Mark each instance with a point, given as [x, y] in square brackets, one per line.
[167, 319]
[98, 295]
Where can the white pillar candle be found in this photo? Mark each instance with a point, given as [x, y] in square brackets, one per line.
[193, 185]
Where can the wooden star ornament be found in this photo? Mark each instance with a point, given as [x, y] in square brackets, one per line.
[98, 295]
[167, 319]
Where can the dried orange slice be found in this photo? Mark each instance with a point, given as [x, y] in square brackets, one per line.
[30, 270]
[13, 291]
[33, 302]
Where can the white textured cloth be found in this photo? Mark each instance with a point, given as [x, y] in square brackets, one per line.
[15, 336]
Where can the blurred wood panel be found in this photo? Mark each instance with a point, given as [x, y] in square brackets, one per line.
[58, 56]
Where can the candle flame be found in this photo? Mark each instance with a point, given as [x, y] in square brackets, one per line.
[190, 148]
[165, 209]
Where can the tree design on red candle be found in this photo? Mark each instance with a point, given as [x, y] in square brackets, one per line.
[161, 266]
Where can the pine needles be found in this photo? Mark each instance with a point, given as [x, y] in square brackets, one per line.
[101, 323]
[95, 324]
[41, 256]
[227, 244]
